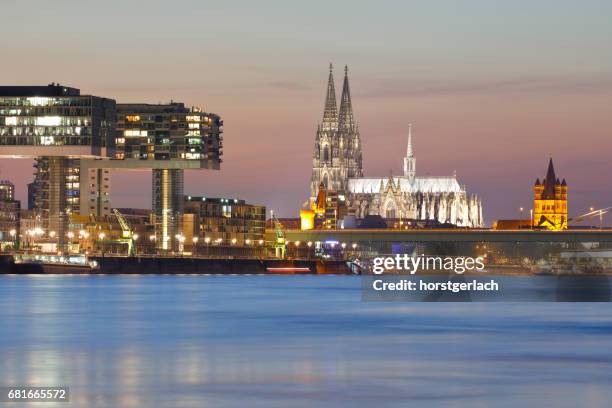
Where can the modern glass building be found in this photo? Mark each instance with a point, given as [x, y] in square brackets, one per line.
[77, 139]
[55, 120]
[167, 138]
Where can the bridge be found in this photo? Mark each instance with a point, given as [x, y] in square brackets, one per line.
[443, 235]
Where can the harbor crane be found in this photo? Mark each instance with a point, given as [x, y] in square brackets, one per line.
[280, 246]
[127, 234]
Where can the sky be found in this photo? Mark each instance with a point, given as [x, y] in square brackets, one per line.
[492, 88]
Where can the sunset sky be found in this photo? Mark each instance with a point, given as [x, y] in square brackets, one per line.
[492, 88]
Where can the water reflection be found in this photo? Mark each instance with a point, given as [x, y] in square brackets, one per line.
[164, 341]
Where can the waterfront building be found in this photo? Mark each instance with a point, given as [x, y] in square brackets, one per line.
[337, 165]
[76, 140]
[550, 201]
[56, 126]
[224, 221]
[7, 190]
[9, 216]
[168, 138]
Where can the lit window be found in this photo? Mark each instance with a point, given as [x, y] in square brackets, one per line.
[48, 121]
[132, 118]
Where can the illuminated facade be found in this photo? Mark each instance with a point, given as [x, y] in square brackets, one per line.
[54, 120]
[76, 140]
[411, 197]
[9, 216]
[7, 190]
[337, 151]
[168, 138]
[225, 221]
[550, 201]
[337, 165]
[57, 127]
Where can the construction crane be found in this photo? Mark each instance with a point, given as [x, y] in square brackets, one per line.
[280, 246]
[127, 235]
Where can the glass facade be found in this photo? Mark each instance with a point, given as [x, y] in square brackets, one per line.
[167, 132]
[64, 120]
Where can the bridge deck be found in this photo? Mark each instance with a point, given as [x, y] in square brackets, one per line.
[445, 235]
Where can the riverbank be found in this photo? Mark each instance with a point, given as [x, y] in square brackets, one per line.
[179, 265]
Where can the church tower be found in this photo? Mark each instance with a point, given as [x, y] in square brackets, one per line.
[550, 201]
[409, 160]
[337, 151]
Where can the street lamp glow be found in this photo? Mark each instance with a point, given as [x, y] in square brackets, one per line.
[70, 235]
[101, 235]
[13, 232]
[343, 245]
[151, 237]
[309, 244]
[135, 237]
[261, 241]
[297, 243]
[354, 245]
[233, 241]
[195, 240]
[248, 242]
[207, 240]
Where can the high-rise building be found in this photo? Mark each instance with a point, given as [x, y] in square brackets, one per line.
[58, 127]
[337, 152]
[550, 201]
[77, 140]
[168, 138]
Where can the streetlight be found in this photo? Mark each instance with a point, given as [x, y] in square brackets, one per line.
[52, 234]
[195, 245]
[70, 235]
[531, 218]
[151, 237]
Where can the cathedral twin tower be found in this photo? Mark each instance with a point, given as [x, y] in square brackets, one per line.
[337, 153]
[337, 165]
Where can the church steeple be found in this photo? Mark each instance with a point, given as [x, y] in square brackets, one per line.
[330, 114]
[409, 160]
[345, 117]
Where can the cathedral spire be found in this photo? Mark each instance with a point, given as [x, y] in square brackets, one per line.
[409, 152]
[409, 160]
[345, 117]
[330, 114]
